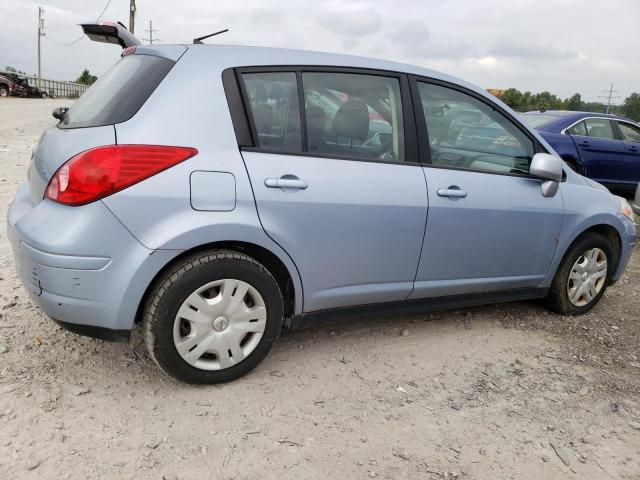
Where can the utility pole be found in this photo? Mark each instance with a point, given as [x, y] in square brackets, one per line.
[40, 34]
[132, 15]
[151, 30]
[610, 95]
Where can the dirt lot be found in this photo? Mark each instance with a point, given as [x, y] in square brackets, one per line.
[505, 391]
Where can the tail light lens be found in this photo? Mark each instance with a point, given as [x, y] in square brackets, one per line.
[103, 171]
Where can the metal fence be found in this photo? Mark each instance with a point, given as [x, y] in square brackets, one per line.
[58, 88]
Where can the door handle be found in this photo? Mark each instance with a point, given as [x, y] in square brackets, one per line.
[585, 144]
[633, 149]
[286, 181]
[452, 192]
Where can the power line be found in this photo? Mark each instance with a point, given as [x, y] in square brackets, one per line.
[68, 44]
[151, 30]
[609, 96]
[103, 10]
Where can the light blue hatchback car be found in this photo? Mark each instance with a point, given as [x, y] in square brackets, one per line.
[218, 193]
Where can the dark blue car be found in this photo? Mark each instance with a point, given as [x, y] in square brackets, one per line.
[603, 147]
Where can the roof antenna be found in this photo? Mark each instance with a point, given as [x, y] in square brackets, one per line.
[198, 41]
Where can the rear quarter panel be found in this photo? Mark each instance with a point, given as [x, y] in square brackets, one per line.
[189, 108]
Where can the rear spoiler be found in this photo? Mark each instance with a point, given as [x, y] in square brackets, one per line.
[110, 32]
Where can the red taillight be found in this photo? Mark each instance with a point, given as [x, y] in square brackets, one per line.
[102, 171]
[128, 51]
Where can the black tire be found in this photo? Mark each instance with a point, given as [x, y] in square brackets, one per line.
[558, 298]
[43, 95]
[185, 277]
[4, 91]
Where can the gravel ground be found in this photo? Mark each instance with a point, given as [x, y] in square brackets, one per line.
[506, 391]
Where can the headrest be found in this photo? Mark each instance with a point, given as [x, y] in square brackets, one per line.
[263, 117]
[352, 120]
[599, 131]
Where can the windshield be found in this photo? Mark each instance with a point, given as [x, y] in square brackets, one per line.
[536, 120]
[119, 93]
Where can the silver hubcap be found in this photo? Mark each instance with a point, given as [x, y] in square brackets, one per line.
[587, 277]
[219, 324]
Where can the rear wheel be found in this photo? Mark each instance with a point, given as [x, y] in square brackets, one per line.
[43, 95]
[4, 91]
[213, 317]
[583, 276]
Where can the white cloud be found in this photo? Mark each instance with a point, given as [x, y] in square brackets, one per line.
[562, 46]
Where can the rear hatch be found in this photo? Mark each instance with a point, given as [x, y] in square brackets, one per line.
[114, 98]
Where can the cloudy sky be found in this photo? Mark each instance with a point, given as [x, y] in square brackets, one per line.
[564, 46]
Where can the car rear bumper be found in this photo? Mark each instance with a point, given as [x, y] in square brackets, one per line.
[80, 264]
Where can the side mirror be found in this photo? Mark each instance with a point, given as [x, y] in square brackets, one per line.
[59, 113]
[548, 168]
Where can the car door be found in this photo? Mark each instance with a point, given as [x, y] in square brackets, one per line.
[489, 227]
[349, 208]
[601, 152]
[630, 134]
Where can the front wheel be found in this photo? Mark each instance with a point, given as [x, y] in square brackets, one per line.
[43, 95]
[4, 91]
[213, 317]
[583, 276]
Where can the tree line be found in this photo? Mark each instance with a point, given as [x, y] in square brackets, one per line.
[527, 101]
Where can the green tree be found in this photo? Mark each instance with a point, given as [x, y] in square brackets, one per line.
[526, 101]
[513, 98]
[597, 107]
[631, 106]
[11, 69]
[574, 102]
[86, 78]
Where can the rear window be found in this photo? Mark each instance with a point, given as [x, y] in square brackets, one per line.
[536, 120]
[119, 93]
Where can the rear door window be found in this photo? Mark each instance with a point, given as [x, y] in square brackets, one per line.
[600, 128]
[273, 100]
[354, 115]
[119, 93]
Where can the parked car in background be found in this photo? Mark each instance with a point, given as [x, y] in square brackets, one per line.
[27, 90]
[603, 147]
[8, 85]
[295, 188]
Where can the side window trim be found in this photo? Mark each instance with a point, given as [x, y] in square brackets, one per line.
[303, 112]
[241, 118]
[421, 122]
[411, 144]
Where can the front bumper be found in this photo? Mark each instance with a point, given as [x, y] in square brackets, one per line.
[80, 264]
[628, 240]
